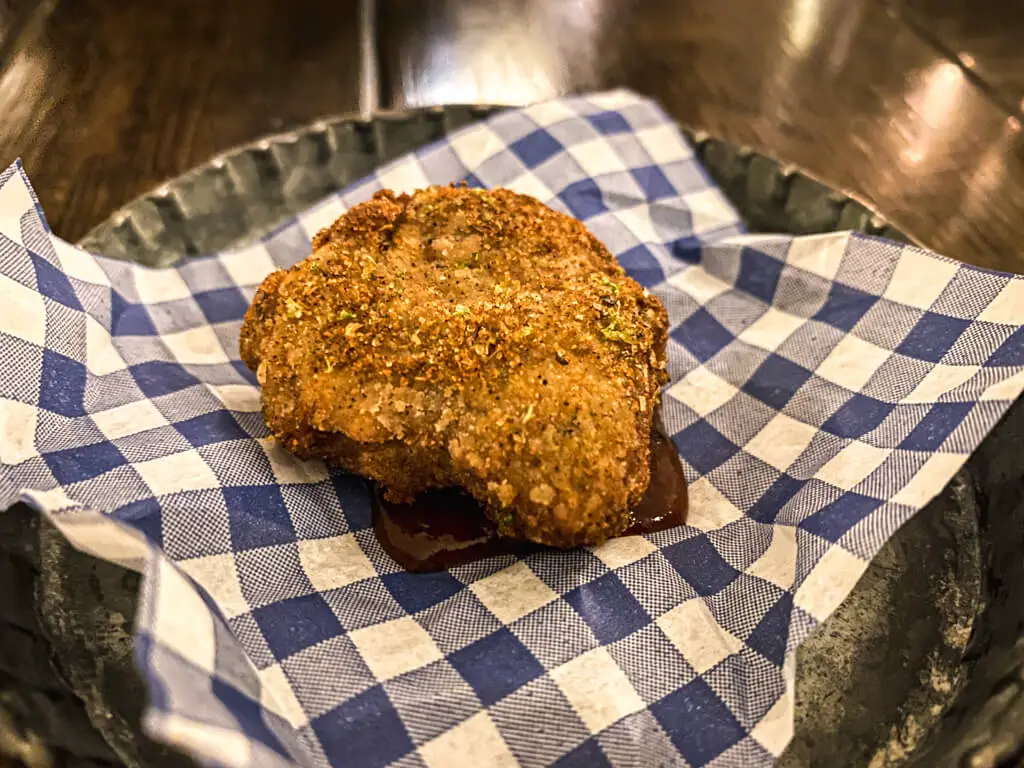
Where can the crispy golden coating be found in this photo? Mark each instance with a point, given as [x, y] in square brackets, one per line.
[458, 337]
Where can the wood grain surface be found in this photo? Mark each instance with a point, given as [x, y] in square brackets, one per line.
[911, 105]
[115, 96]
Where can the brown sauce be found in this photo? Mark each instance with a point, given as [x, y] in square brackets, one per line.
[445, 528]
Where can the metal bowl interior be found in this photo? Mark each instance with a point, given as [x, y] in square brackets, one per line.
[913, 667]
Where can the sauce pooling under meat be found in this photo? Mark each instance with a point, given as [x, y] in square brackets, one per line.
[445, 528]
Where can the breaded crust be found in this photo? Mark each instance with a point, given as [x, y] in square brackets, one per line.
[460, 337]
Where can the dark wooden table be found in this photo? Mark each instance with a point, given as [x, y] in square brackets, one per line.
[914, 106]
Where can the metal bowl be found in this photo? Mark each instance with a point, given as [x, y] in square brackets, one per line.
[921, 665]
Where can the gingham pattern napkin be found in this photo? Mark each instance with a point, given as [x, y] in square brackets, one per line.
[823, 390]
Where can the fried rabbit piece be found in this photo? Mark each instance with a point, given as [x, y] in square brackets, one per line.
[460, 337]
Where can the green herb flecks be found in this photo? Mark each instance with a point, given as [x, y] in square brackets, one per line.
[616, 330]
[506, 522]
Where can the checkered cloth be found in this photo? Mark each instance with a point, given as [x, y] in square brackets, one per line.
[823, 389]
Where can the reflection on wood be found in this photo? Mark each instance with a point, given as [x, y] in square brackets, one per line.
[984, 34]
[117, 95]
[841, 88]
[439, 52]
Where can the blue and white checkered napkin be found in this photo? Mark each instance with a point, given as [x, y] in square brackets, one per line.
[823, 390]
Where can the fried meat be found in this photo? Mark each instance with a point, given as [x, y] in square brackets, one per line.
[461, 337]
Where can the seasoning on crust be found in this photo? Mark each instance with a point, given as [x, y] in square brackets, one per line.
[461, 337]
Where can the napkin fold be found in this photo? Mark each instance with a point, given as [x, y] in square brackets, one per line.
[823, 389]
